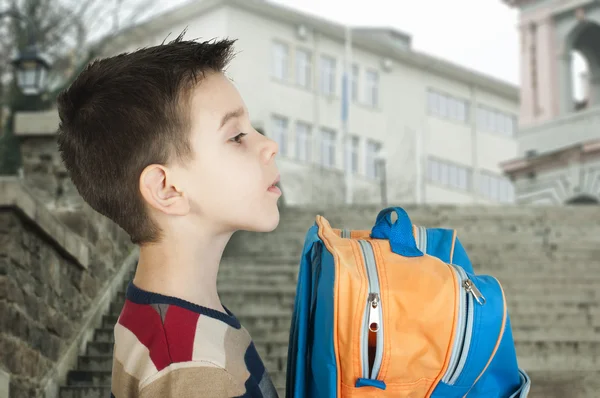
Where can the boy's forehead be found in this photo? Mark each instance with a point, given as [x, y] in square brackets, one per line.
[215, 87]
[213, 98]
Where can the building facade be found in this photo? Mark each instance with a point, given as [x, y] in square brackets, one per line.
[559, 134]
[420, 129]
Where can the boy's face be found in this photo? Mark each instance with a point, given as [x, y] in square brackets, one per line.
[228, 181]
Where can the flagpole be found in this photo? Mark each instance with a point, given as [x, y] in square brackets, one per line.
[345, 116]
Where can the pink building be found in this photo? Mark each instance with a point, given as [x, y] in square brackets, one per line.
[559, 136]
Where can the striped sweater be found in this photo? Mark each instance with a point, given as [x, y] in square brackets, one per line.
[167, 347]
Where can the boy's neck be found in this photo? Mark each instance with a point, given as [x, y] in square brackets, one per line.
[185, 268]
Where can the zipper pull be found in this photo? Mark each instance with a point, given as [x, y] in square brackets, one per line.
[373, 312]
[471, 288]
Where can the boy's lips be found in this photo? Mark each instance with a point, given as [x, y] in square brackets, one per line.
[273, 188]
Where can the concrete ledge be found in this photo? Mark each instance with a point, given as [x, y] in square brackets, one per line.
[93, 319]
[4, 384]
[14, 194]
[36, 123]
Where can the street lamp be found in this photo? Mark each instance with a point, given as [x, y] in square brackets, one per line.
[31, 72]
[31, 65]
[381, 164]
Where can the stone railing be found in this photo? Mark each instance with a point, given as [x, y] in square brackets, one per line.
[57, 279]
[45, 174]
[562, 132]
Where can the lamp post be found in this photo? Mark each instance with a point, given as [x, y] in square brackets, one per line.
[381, 164]
[31, 68]
[31, 65]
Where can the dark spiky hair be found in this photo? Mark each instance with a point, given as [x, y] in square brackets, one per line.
[126, 112]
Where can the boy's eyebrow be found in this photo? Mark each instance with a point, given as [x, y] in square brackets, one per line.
[230, 115]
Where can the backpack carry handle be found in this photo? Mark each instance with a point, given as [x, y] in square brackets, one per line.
[400, 233]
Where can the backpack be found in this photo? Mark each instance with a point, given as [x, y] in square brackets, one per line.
[397, 311]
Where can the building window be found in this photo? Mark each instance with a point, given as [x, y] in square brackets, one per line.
[496, 188]
[327, 75]
[372, 169]
[328, 147]
[303, 141]
[495, 121]
[372, 88]
[303, 68]
[354, 154]
[280, 133]
[448, 174]
[280, 61]
[355, 82]
[447, 106]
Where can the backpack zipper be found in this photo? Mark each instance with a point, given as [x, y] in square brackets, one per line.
[468, 294]
[372, 315]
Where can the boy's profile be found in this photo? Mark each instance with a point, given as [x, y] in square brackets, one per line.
[160, 141]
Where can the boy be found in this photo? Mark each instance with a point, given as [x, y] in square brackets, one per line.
[160, 141]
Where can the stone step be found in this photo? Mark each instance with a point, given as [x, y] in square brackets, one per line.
[293, 244]
[551, 319]
[85, 391]
[77, 378]
[263, 279]
[585, 274]
[116, 305]
[234, 292]
[100, 347]
[529, 306]
[528, 274]
[522, 214]
[477, 257]
[479, 235]
[95, 362]
[487, 258]
[558, 289]
[518, 320]
[556, 355]
[104, 335]
[532, 355]
[562, 384]
[462, 224]
[467, 216]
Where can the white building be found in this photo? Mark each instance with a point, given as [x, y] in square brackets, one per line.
[445, 129]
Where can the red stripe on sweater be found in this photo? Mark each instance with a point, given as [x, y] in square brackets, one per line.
[145, 323]
[180, 329]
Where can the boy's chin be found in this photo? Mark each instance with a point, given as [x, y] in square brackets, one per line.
[267, 224]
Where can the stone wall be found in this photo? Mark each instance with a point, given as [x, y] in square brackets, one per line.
[54, 266]
[44, 172]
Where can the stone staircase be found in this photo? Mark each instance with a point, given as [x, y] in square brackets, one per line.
[92, 377]
[547, 259]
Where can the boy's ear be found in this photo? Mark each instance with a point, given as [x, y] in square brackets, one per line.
[159, 192]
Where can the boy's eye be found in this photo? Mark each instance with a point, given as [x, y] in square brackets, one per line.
[238, 138]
